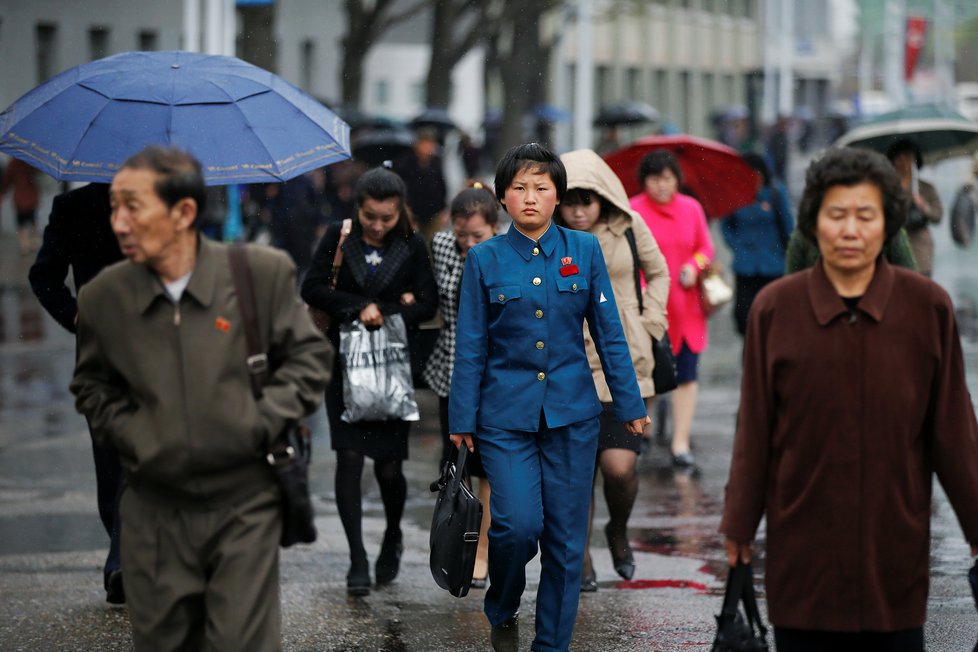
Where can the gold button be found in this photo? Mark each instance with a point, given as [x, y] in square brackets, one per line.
[541, 376]
[536, 280]
[539, 345]
[536, 251]
[573, 287]
[501, 297]
[539, 314]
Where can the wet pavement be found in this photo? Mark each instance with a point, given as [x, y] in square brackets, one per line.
[52, 544]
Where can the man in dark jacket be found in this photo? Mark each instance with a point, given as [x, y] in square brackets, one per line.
[163, 375]
[79, 239]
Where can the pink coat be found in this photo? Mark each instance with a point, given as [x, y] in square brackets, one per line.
[681, 231]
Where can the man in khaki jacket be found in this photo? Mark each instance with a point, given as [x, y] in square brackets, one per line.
[162, 376]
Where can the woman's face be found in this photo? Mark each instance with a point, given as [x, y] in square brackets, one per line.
[530, 199]
[470, 231]
[662, 187]
[378, 217]
[851, 228]
[581, 216]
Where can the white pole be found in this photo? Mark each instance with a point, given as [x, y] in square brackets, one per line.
[230, 29]
[213, 41]
[769, 106]
[191, 25]
[786, 88]
[583, 77]
[894, 47]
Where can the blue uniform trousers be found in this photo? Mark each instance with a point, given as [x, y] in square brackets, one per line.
[541, 493]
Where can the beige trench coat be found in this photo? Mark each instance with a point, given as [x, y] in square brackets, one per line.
[586, 170]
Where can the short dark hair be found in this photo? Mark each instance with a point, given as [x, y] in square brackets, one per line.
[475, 201]
[180, 175]
[655, 162]
[905, 145]
[530, 156]
[381, 184]
[759, 163]
[849, 166]
[583, 197]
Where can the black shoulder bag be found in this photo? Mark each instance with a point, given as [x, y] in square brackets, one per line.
[454, 528]
[664, 370]
[735, 633]
[289, 457]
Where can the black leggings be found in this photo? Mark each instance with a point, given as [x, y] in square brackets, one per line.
[349, 500]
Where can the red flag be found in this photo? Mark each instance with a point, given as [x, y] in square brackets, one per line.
[916, 34]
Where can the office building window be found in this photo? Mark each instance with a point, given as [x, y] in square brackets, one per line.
[46, 42]
[98, 43]
[381, 92]
[307, 55]
[148, 41]
[633, 80]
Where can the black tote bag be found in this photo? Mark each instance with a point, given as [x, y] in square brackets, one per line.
[735, 632]
[454, 528]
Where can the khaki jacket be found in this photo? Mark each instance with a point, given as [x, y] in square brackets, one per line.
[167, 383]
[585, 169]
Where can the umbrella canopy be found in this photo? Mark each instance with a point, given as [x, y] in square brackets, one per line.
[938, 131]
[714, 173]
[625, 113]
[376, 146]
[433, 117]
[244, 124]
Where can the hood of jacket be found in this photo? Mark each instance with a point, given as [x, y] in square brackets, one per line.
[588, 171]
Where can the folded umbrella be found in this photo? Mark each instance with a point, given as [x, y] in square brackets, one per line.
[244, 124]
[712, 172]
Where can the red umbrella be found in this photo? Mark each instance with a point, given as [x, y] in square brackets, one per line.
[712, 172]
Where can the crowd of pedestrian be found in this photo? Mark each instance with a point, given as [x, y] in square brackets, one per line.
[543, 365]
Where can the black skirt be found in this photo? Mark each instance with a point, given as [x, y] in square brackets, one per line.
[613, 433]
[382, 441]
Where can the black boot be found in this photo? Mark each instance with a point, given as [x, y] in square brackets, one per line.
[358, 578]
[505, 637]
[621, 553]
[389, 559]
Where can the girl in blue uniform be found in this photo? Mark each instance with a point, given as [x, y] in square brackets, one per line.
[522, 385]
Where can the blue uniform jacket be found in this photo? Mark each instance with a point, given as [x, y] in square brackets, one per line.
[519, 347]
[752, 233]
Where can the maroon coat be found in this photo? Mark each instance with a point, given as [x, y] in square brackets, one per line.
[843, 421]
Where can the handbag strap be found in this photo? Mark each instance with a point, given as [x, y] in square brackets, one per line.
[244, 288]
[630, 236]
[334, 271]
[750, 603]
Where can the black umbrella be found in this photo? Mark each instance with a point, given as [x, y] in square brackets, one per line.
[630, 112]
[435, 117]
[375, 147]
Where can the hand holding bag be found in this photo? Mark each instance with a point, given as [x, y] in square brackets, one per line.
[289, 457]
[735, 633]
[455, 528]
[377, 383]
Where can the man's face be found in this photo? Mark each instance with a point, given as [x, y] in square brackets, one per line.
[850, 228]
[146, 229]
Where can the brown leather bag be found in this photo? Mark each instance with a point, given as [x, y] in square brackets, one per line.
[321, 318]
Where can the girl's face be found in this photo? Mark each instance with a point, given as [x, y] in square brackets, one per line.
[661, 187]
[471, 230]
[378, 217]
[581, 216]
[530, 199]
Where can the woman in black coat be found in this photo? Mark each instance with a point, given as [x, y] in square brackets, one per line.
[385, 270]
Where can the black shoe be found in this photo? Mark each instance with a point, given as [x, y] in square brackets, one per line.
[478, 583]
[358, 578]
[389, 559]
[114, 592]
[683, 460]
[623, 559]
[505, 637]
[589, 582]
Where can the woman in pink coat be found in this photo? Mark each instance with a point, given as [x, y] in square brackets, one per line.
[679, 225]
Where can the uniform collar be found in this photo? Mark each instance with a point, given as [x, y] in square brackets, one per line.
[828, 305]
[148, 286]
[524, 245]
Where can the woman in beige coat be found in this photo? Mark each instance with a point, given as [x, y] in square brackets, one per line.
[596, 202]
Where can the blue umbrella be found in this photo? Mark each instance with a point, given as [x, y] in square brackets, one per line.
[244, 124]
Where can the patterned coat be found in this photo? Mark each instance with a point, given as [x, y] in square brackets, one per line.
[447, 265]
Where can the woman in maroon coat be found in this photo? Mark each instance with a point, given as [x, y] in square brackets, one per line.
[853, 396]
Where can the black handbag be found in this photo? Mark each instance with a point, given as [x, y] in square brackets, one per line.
[454, 528]
[664, 371]
[289, 457]
[735, 632]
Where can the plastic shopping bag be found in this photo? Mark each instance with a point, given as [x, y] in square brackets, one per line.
[377, 382]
